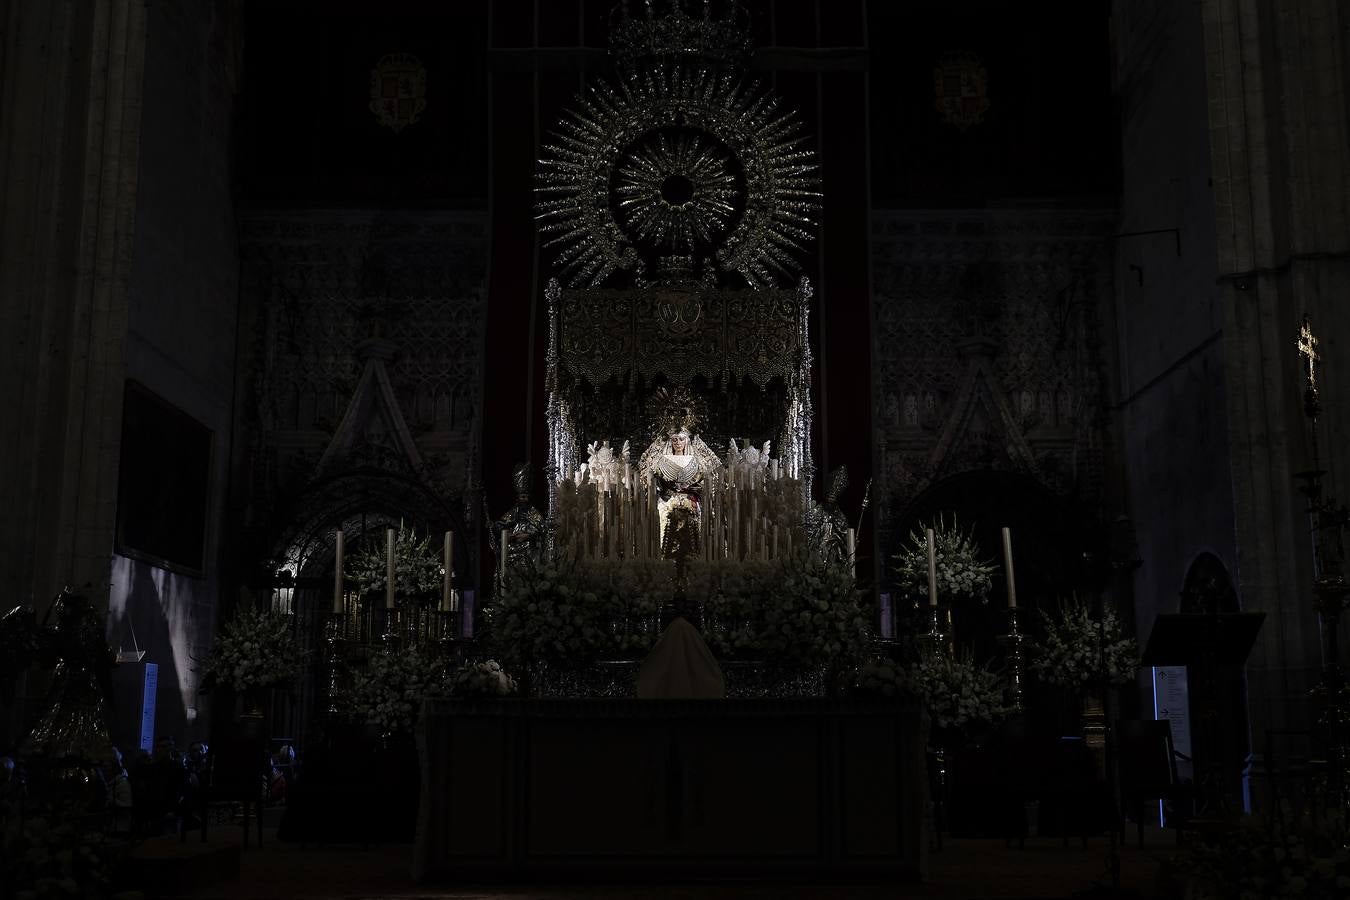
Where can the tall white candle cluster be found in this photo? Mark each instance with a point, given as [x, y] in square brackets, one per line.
[744, 513]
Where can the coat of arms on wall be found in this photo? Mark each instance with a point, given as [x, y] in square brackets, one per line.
[961, 89]
[398, 90]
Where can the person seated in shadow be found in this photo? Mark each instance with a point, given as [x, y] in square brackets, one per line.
[196, 780]
[281, 772]
[11, 790]
[118, 795]
[158, 781]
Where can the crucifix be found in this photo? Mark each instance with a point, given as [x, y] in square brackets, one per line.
[1307, 348]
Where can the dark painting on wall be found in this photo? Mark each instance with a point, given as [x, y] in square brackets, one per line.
[163, 483]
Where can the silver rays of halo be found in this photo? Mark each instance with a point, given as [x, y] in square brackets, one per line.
[606, 133]
[646, 211]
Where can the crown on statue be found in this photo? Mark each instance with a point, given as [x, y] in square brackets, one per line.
[675, 410]
[710, 30]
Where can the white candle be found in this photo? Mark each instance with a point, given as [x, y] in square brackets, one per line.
[850, 537]
[338, 553]
[736, 523]
[773, 469]
[446, 586]
[501, 572]
[389, 568]
[932, 569]
[1008, 565]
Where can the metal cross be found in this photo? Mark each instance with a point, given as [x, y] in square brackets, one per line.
[1307, 348]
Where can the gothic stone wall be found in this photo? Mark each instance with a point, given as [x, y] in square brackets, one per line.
[181, 335]
[317, 284]
[987, 350]
[1169, 325]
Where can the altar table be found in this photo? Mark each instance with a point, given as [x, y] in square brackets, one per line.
[632, 789]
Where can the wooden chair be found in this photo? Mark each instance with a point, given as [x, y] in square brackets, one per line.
[237, 774]
[1148, 771]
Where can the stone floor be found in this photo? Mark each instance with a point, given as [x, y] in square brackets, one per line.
[964, 868]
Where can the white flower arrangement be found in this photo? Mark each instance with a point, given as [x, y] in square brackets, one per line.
[388, 692]
[960, 570]
[800, 611]
[810, 614]
[482, 679]
[957, 691]
[255, 650]
[418, 570]
[548, 613]
[1070, 655]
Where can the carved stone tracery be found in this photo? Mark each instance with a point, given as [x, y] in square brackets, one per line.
[375, 320]
[987, 349]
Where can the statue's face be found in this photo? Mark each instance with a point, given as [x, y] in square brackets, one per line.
[679, 443]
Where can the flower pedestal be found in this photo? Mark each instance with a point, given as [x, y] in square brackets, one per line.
[1094, 723]
[253, 711]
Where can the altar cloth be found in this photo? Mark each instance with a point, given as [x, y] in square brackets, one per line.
[650, 790]
[680, 667]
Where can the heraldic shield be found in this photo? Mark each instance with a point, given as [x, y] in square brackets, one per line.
[398, 90]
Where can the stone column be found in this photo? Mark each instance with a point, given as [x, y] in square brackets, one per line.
[1278, 126]
[69, 140]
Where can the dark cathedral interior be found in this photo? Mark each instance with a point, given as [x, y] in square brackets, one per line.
[674, 448]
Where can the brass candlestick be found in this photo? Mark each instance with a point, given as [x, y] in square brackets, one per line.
[391, 630]
[1012, 642]
[1330, 590]
[939, 636]
[333, 634]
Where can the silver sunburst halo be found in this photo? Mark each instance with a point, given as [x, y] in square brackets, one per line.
[677, 190]
[600, 197]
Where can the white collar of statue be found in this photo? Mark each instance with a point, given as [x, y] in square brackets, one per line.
[674, 467]
[698, 459]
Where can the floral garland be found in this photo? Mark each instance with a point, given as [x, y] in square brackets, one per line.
[254, 651]
[1069, 655]
[388, 692]
[418, 571]
[481, 679]
[960, 570]
[957, 691]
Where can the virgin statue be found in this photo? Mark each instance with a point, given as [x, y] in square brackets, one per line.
[680, 468]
